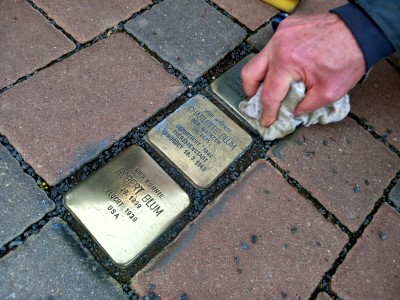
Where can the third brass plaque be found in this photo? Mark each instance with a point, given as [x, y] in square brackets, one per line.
[200, 140]
[228, 87]
[127, 204]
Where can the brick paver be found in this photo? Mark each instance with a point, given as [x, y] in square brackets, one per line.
[53, 265]
[377, 101]
[323, 296]
[189, 34]
[67, 114]
[256, 241]
[27, 41]
[341, 164]
[22, 202]
[395, 60]
[308, 7]
[371, 269]
[252, 13]
[84, 20]
[262, 37]
[394, 195]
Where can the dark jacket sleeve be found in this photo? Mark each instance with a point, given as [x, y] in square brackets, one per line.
[386, 14]
[375, 26]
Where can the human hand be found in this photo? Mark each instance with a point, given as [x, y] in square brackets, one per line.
[319, 50]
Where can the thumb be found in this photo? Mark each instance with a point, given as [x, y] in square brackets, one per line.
[313, 100]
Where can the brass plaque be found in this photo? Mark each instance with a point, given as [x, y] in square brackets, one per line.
[228, 87]
[127, 204]
[200, 140]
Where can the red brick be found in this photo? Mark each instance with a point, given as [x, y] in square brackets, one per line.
[342, 166]
[371, 270]
[252, 13]
[67, 114]
[309, 7]
[86, 19]
[323, 296]
[256, 241]
[395, 60]
[27, 41]
[377, 101]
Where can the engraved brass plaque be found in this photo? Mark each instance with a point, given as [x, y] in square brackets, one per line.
[200, 140]
[127, 204]
[228, 87]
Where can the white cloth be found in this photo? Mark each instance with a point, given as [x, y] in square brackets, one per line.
[286, 122]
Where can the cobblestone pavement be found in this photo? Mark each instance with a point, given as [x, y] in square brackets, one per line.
[314, 215]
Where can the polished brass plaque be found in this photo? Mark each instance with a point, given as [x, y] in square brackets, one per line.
[228, 87]
[127, 204]
[200, 140]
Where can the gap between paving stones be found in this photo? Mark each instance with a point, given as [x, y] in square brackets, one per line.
[120, 28]
[370, 129]
[136, 136]
[112, 30]
[325, 282]
[53, 22]
[138, 133]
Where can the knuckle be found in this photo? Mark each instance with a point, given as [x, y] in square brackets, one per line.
[245, 73]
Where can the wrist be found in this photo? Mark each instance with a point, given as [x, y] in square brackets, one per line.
[371, 40]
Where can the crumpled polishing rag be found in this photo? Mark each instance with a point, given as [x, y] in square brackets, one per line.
[286, 122]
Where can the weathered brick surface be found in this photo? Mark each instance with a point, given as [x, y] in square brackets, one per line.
[67, 114]
[395, 60]
[189, 34]
[256, 241]
[342, 166]
[54, 265]
[22, 202]
[394, 195]
[262, 37]
[377, 101]
[252, 13]
[371, 269]
[84, 20]
[27, 41]
[323, 296]
[309, 7]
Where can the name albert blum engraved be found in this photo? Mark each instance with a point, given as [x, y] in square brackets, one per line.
[200, 140]
[127, 204]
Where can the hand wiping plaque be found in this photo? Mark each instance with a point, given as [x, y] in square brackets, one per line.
[200, 140]
[127, 204]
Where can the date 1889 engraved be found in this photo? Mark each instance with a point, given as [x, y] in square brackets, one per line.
[127, 204]
[200, 140]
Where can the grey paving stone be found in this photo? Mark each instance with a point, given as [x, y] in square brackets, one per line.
[262, 37]
[189, 34]
[394, 195]
[22, 202]
[371, 269]
[27, 41]
[53, 265]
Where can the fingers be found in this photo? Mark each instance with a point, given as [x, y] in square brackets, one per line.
[276, 87]
[253, 73]
[313, 100]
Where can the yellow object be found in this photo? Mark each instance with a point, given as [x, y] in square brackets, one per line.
[285, 5]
